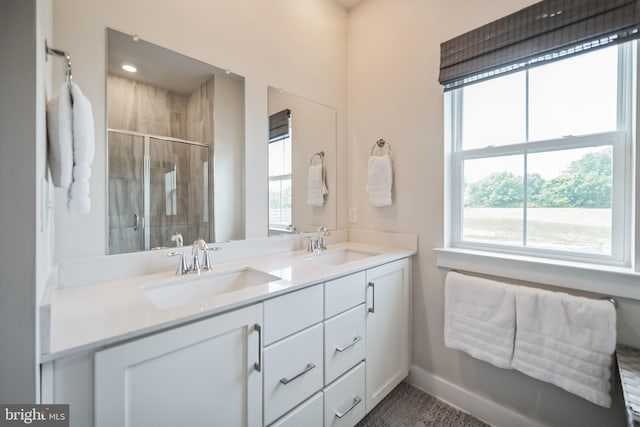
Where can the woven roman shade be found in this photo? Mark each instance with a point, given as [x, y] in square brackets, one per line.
[542, 32]
[279, 125]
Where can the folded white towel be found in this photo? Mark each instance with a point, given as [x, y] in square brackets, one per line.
[316, 186]
[480, 318]
[83, 151]
[567, 341]
[380, 180]
[60, 138]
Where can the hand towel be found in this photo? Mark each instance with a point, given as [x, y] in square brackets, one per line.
[480, 318]
[567, 341]
[380, 180]
[83, 151]
[60, 138]
[316, 187]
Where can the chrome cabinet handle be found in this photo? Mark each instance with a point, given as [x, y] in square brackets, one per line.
[356, 400]
[372, 309]
[356, 340]
[258, 364]
[307, 368]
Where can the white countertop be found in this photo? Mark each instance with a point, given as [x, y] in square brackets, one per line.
[88, 317]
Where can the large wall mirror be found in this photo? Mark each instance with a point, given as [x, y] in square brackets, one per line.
[175, 148]
[302, 164]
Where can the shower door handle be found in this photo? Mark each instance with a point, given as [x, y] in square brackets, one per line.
[136, 222]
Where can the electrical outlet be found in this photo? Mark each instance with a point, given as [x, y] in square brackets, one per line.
[353, 215]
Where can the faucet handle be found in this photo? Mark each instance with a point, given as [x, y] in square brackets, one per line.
[182, 265]
[207, 261]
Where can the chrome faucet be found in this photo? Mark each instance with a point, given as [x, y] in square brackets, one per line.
[320, 236]
[199, 245]
[317, 241]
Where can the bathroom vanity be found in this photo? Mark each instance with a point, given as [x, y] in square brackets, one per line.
[290, 339]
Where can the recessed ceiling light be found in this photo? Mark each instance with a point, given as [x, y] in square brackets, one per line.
[130, 68]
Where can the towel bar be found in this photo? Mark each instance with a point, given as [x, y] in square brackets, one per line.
[57, 52]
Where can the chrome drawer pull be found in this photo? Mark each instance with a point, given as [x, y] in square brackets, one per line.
[356, 340]
[309, 367]
[356, 400]
[258, 364]
[372, 309]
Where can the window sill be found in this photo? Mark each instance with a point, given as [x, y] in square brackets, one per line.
[605, 280]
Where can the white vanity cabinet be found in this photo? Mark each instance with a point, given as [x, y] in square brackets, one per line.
[321, 356]
[202, 374]
[388, 317]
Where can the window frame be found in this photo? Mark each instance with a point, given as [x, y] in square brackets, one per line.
[279, 178]
[622, 172]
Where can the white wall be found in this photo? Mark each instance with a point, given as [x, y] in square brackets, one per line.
[293, 44]
[393, 93]
[229, 157]
[25, 256]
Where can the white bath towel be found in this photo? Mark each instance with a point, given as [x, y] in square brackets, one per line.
[316, 186]
[567, 341]
[83, 151]
[380, 180]
[480, 318]
[60, 138]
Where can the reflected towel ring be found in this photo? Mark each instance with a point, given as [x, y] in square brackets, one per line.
[380, 144]
[319, 154]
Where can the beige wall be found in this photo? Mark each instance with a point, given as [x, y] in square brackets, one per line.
[393, 93]
[293, 44]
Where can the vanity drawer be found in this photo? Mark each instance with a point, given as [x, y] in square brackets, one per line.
[344, 342]
[292, 371]
[308, 414]
[343, 293]
[344, 399]
[291, 313]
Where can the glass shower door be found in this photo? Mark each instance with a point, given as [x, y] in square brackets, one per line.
[178, 194]
[157, 187]
[126, 193]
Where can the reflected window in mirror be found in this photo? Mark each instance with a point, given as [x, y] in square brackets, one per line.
[280, 170]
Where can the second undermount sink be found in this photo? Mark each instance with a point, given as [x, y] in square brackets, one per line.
[339, 256]
[205, 287]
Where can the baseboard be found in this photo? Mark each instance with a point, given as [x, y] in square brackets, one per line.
[488, 411]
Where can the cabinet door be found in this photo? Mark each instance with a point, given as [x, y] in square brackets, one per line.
[202, 374]
[387, 340]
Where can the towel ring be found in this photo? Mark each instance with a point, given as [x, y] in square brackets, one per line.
[380, 144]
[319, 154]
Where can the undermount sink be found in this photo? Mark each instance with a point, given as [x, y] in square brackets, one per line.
[203, 288]
[339, 256]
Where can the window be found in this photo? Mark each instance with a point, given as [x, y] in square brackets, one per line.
[541, 159]
[280, 176]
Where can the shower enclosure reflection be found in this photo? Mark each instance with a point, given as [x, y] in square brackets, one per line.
[165, 183]
[161, 110]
